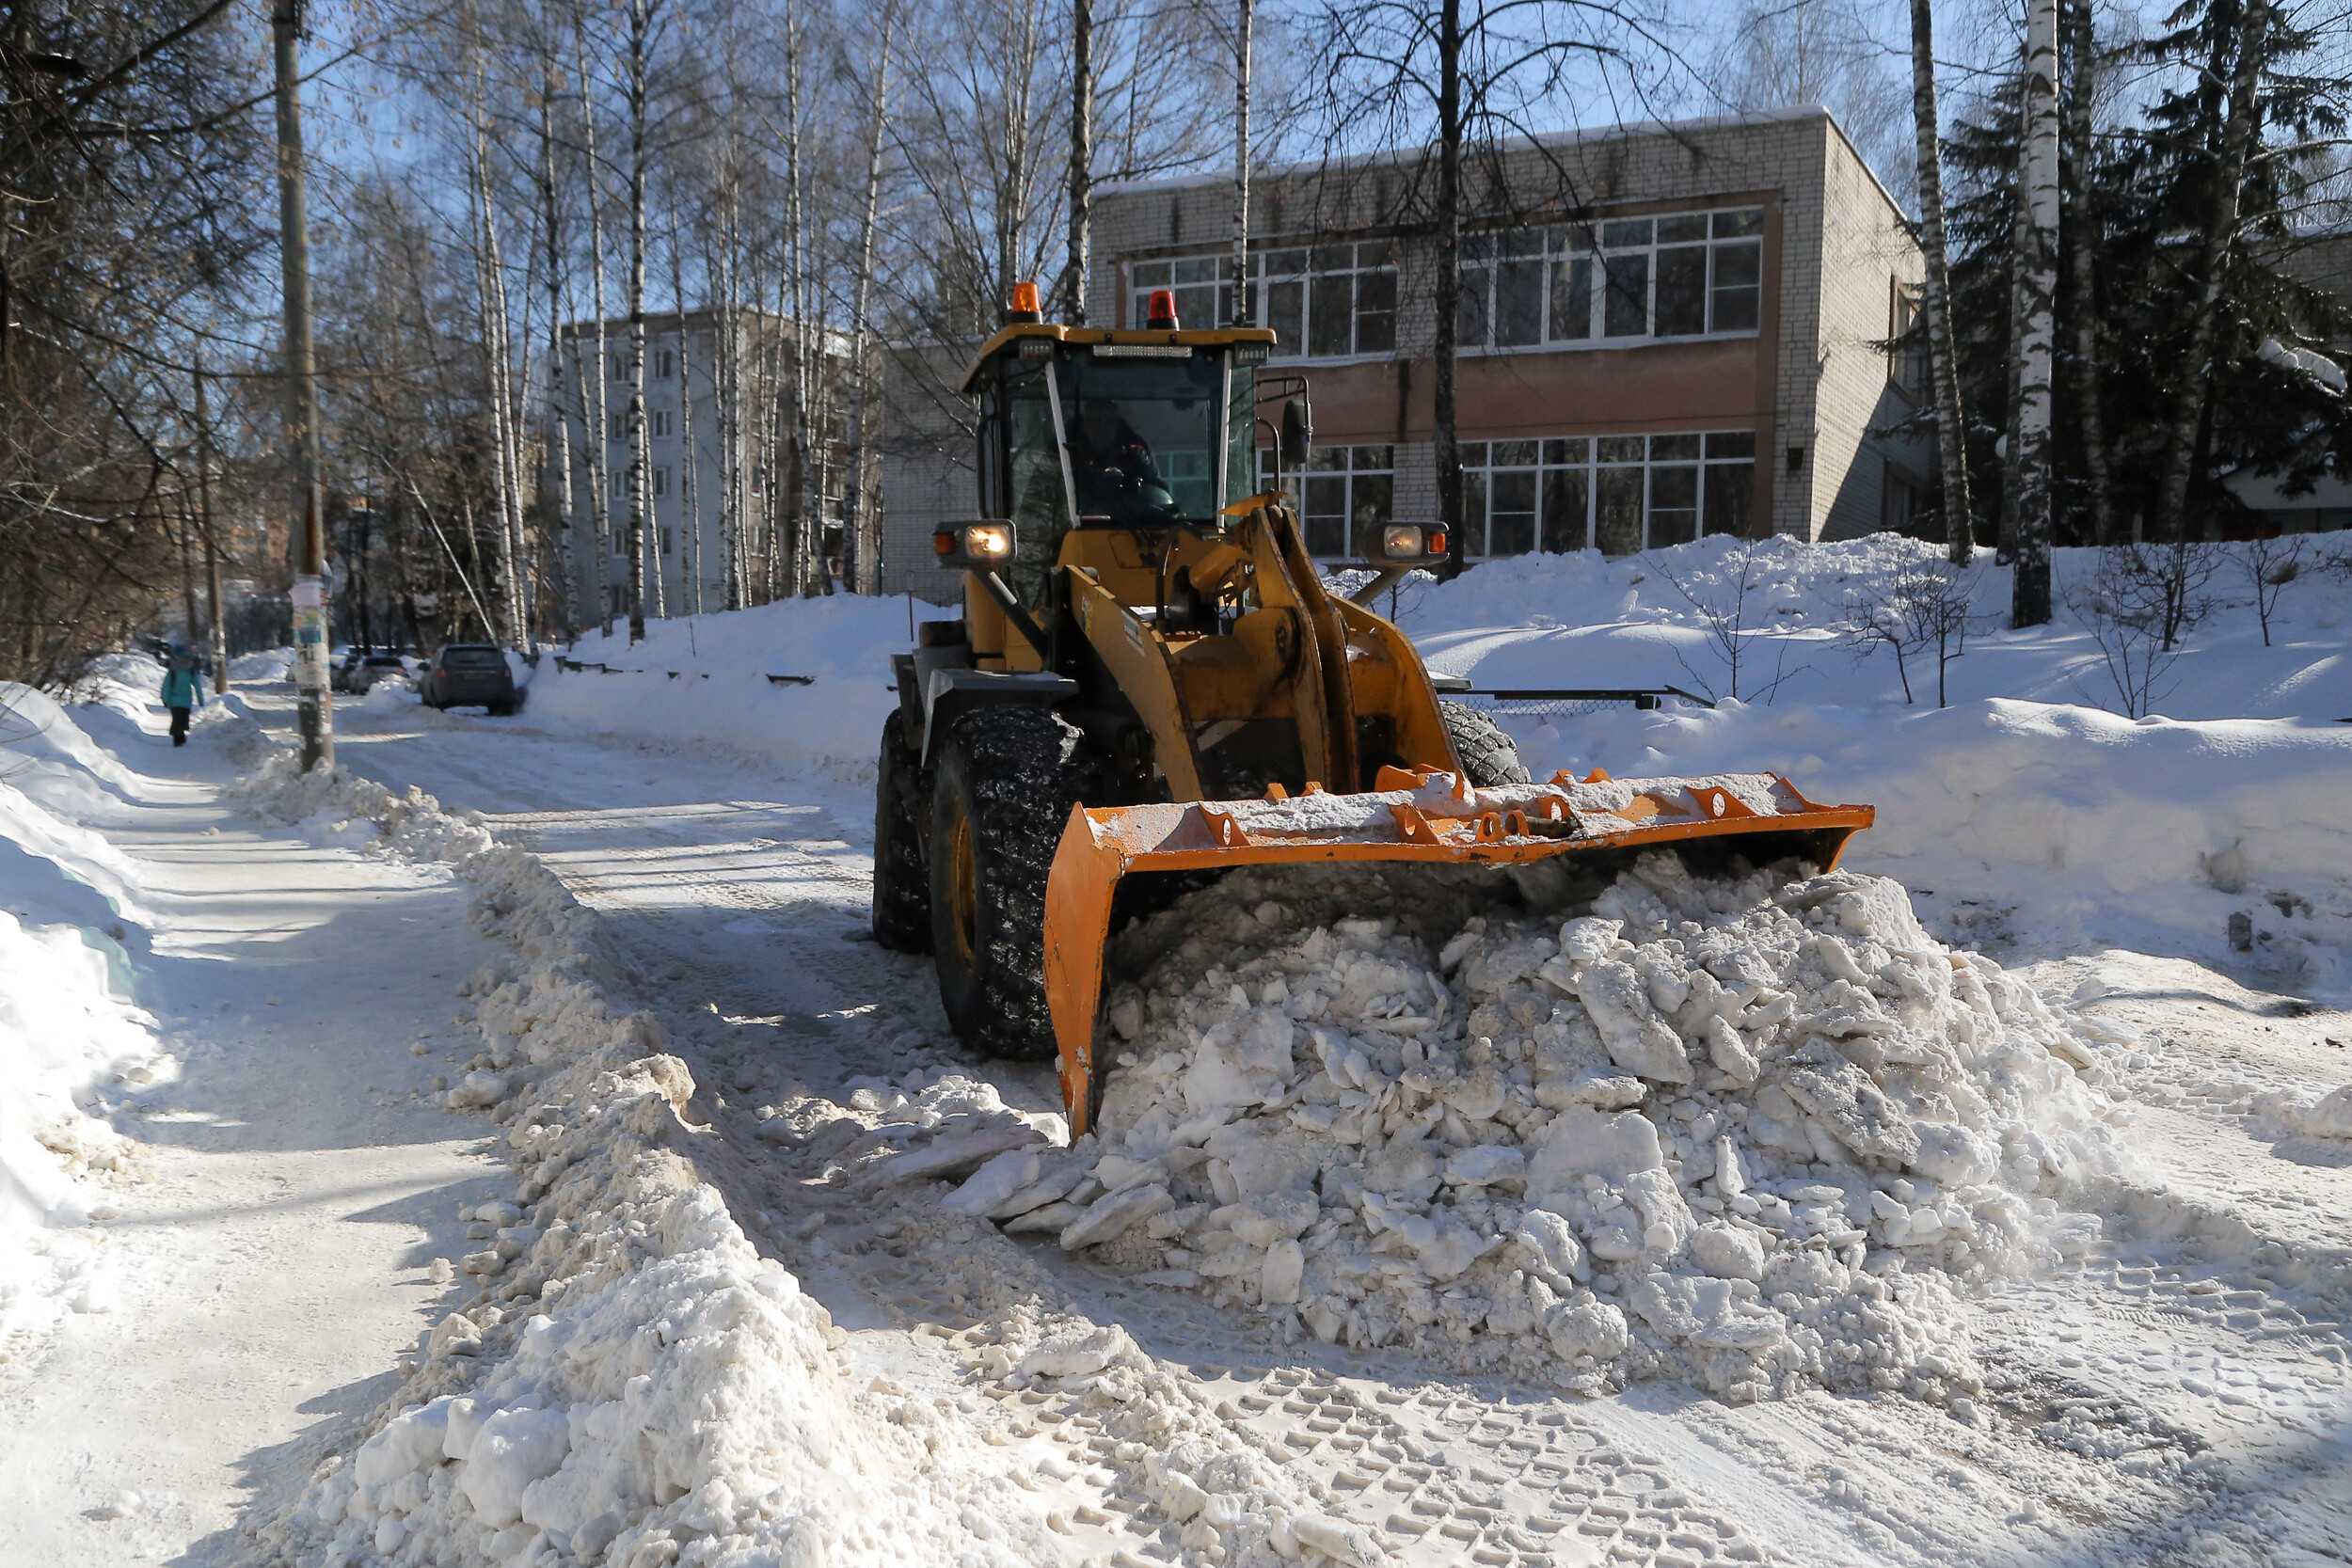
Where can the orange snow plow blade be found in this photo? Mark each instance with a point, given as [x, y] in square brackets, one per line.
[1413, 816]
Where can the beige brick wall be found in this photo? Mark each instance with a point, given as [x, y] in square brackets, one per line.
[1866, 253]
[1840, 243]
[927, 474]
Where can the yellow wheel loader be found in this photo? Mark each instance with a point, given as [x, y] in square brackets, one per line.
[1150, 676]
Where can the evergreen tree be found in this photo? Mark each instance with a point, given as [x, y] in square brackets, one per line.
[2147, 196]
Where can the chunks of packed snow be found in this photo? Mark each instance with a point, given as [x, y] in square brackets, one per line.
[2332, 1117]
[1753, 1131]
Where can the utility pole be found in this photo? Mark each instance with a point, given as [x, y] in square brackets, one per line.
[316, 708]
[204, 523]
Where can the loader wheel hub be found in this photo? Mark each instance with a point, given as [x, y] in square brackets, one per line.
[963, 887]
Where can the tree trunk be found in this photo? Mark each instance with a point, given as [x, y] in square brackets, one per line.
[862, 569]
[187, 572]
[1951, 430]
[559, 456]
[2029, 604]
[2220, 230]
[2020, 241]
[211, 541]
[689, 510]
[2082, 242]
[803, 564]
[1244, 23]
[1080, 157]
[599, 440]
[1445, 449]
[640, 485]
[490, 281]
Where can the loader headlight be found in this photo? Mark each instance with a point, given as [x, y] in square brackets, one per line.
[1401, 540]
[982, 546]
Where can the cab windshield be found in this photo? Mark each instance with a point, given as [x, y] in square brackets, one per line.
[1147, 436]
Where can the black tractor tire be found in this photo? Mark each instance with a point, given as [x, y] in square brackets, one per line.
[903, 883]
[1006, 779]
[1490, 757]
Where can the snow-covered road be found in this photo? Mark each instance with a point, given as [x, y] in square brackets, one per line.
[2183, 1395]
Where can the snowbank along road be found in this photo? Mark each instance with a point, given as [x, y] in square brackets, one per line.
[2153, 1369]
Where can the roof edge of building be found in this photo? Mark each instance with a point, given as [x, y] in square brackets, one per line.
[1622, 131]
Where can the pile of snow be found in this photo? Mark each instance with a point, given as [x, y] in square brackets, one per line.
[270, 664]
[2151, 834]
[629, 1382]
[330, 806]
[1750, 1132]
[704, 681]
[390, 694]
[72, 925]
[1589, 620]
[2024, 794]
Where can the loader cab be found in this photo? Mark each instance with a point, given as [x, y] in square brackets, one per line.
[1117, 431]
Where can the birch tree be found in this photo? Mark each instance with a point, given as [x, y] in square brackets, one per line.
[637, 86]
[1442, 81]
[2082, 241]
[862, 567]
[1952, 428]
[2038, 269]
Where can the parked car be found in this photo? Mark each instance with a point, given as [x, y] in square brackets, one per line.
[373, 668]
[339, 678]
[463, 674]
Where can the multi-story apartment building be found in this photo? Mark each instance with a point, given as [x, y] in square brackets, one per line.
[728, 488]
[1665, 330]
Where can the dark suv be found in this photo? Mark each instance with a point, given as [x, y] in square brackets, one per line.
[469, 672]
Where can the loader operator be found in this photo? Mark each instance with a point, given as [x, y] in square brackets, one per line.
[1111, 465]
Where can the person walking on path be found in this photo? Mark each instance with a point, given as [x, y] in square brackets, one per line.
[180, 694]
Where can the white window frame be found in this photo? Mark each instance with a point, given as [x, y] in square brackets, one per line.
[1345, 467]
[1729, 237]
[1720, 457]
[661, 418]
[1287, 285]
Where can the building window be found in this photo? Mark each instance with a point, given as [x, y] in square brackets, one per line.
[1349, 490]
[1323, 302]
[664, 364]
[661, 422]
[661, 481]
[617, 481]
[665, 539]
[1899, 501]
[1907, 345]
[620, 367]
[1619, 493]
[1682, 275]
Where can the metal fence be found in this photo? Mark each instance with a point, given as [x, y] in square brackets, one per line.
[1568, 701]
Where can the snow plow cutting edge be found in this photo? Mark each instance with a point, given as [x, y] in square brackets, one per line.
[1413, 816]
